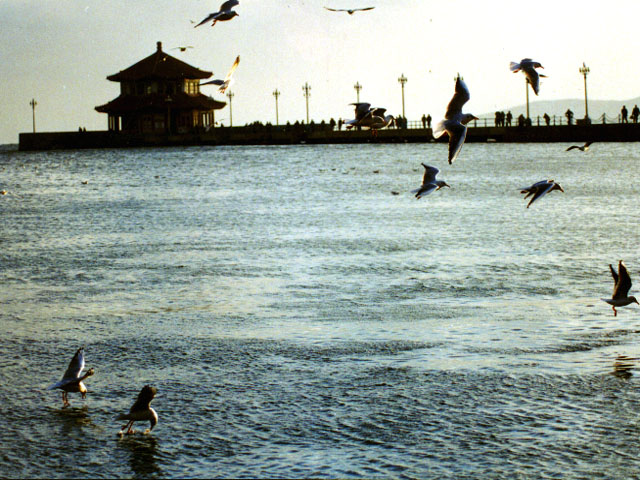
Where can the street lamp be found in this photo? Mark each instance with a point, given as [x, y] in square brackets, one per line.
[358, 87]
[402, 81]
[33, 104]
[307, 93]
[230, 95]
[584, 70]
[276, 94]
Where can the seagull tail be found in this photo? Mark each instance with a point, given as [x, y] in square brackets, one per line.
[514, 67]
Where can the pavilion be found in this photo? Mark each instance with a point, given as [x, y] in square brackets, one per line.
[160, 95]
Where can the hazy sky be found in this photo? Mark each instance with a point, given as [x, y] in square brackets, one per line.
[61, 51]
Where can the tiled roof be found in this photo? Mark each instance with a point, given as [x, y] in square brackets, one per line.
[158, 101]
[159, 65]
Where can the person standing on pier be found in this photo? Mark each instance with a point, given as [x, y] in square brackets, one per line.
[547, 119]
[569, 115]
[509, 117]
[635, 113]
[624, 113]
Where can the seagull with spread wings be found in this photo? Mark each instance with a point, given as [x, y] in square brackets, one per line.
[71, 380]
[225, 13]
[350, 11]
[455, 122]
[582, 148]
[540, 189]
[528, 67]
[621, 287]
[228, 80]
[429, 182]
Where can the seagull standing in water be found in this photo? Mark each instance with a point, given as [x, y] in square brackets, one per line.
[141, 411]
[429, 182]
[528, 67]
[228, 80]
[225, 13]
[540, 189]
[71, 380]
[455, 122]
[621, 287]
[582, 148]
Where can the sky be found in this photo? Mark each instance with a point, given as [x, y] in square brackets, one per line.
[59, 52]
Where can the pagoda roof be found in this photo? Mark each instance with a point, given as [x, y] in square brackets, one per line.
[159, 101]
[159, 65]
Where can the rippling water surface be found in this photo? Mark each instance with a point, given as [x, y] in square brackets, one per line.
[300, 320]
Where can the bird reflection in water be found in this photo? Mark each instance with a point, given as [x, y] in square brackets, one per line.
[143, 455]
[623, 366]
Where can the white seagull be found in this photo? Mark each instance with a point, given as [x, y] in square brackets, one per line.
[455, 122]
[540, 189]
[429, 182]
[528, 67]
[225, 13]
[350, 11]
[141, 411]
[582, 148]
[71, 380]
[228, 80]
[622, 284]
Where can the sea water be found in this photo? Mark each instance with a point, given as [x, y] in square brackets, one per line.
[303, 315]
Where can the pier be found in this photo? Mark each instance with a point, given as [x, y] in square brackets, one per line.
[257, 134]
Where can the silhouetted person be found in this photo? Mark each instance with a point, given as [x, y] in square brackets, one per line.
[424, 121]
[569, 115]
[509, 117]
[429, 121]
[624, 113]
[547, 119]
[635, 113]
[339, 124]
[527, 122]
[521, 120]
[332, 123]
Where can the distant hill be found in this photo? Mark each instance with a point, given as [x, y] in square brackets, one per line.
[558, 107]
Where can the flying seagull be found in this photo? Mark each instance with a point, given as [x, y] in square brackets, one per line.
[228, 80]
[540, 189]
[350, 11]
[582, 148]
[528, 67]
[141, 411]
[455, 122]
[182, 49]
[622, 284]
[71, 380]
[429, 182]
[225, 13]
[367, 117]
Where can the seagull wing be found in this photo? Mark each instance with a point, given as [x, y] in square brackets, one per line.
[213, 82]
[363, 9]
[460, 97]
[457, 134]
[209, 17]
[615, 277]
[572, 147]
[533, 78]
[514, 67]
[623, 284]
[362, 109]
[233, 69]
[429, 174]
[378, 112]
[73, 370]
[334, 10]
[228, 5]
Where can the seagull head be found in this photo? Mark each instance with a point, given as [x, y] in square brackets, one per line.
[467, 117]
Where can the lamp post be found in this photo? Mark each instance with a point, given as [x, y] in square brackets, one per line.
[307, 93]
[584, 70]
[526, 87]
[33, 104]
[276, 94]
[402, 79]
[230, 95]
[357, 87]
